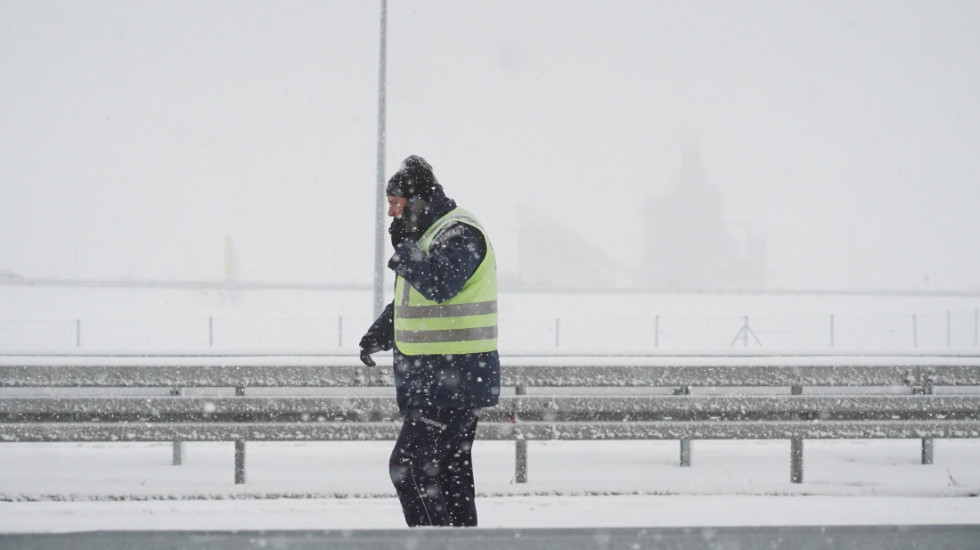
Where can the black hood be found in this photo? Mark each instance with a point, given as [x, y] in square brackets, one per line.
[427, 202]
[414, 178]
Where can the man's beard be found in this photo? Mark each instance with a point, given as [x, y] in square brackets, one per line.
[409, 223]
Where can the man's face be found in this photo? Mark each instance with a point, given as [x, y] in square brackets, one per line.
[396, 205]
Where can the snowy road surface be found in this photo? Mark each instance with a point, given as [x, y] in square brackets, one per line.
[839, 537]
[495, 512]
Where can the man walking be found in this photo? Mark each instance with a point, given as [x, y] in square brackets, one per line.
[442, 325]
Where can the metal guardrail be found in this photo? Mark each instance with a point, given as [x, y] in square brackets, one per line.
[563, 408]
[521, 418]
[529, 431]
[530, 375]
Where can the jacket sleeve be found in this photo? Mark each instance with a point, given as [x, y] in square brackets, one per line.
[441, 273]
[381, 334]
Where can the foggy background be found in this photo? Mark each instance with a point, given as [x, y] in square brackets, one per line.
[630, 144]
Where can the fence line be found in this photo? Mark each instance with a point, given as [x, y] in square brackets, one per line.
[936, 330]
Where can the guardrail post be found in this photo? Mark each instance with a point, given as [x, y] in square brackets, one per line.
[928, 443]
[685, 443]
[78, 333]
[211, 332]
[796, 448]
[239, 450]
[178, 444]
[239, 462]
[520, 444]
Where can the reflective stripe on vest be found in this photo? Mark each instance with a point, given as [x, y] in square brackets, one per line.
[450, 310]
[466, 323]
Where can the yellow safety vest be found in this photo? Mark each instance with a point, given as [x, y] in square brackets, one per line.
[467, 322]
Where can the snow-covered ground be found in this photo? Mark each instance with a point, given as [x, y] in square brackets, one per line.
[57, 487]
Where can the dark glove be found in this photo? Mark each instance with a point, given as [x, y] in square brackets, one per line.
[370, 343]
[366, 358]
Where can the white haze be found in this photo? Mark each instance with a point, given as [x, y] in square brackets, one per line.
[135, 136]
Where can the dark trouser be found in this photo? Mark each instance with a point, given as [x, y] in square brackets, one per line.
[432, 469]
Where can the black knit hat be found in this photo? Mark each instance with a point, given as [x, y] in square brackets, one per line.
[414, 178]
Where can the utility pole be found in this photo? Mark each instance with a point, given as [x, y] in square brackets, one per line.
[379, 224]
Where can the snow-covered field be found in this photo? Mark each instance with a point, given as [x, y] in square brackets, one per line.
[40, 319]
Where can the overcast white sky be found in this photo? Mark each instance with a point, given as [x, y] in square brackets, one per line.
[135, 135]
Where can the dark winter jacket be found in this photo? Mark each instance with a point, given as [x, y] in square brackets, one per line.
[465, 381]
